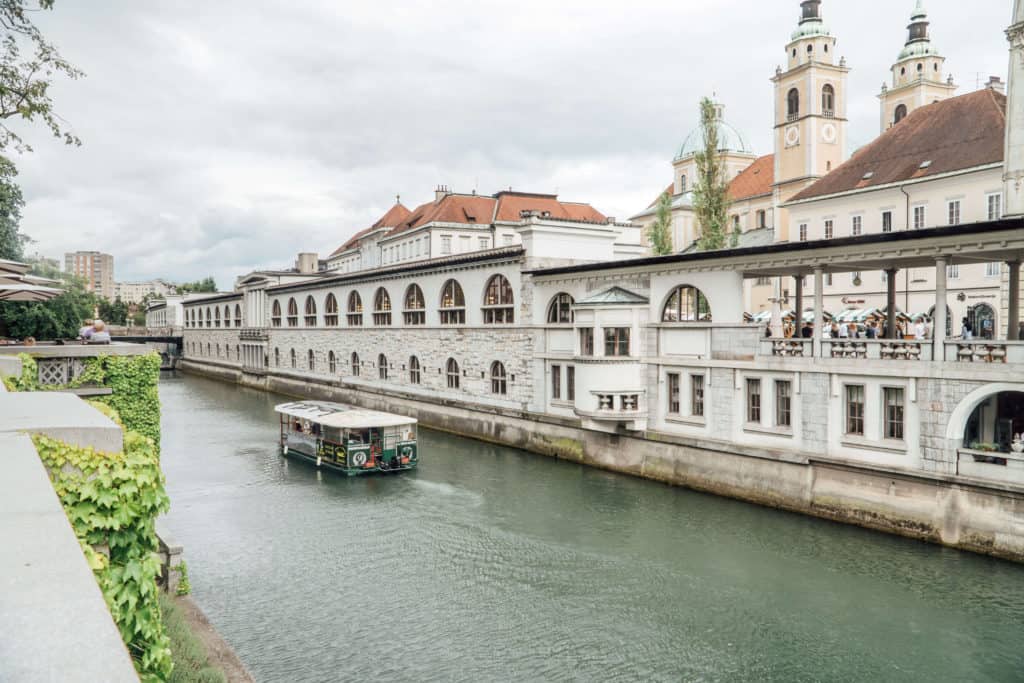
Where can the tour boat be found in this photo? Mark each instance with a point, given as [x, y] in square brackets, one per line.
[348, 439]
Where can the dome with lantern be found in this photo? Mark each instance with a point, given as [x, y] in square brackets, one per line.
[730, 139]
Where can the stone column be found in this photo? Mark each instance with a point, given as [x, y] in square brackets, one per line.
[1013, 164]
[1013, 310]
[819, 309]
[890, 283]
[939, 319]
[776, 324]
[798, 310]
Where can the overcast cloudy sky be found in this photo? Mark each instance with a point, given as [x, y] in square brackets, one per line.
[223, 136]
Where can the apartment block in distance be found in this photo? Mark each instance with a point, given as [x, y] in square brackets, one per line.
[95, 268]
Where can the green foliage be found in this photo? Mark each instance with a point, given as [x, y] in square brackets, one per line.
[133, 379]
[28, 63]
[12, 242]
[59, 318]
[200, 286]
[184, 587]
[113, 312]
[660, 232]
[711, 192]
[191, 660]
[112, 501]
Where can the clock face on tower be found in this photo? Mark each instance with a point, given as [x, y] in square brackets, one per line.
[793, 136]
[828, 133]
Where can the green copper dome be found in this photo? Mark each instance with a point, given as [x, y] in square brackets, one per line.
[919, 43]
[729, 139]
[811, 29]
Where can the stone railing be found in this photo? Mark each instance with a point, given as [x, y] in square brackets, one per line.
[991, 465]
[60, 364]
[877, 349]
[254, 334]
[984, 351]
[788, 348]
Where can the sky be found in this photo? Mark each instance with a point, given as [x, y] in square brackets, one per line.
[221, 137]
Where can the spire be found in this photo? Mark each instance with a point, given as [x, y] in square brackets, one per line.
[918, 28]
[811, 11]
[811, 25]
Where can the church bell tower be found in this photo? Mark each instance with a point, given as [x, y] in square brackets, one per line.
[917, 75]
[810, 110]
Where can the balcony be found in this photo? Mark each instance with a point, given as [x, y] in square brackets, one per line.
[254, 334]
[608, 409]
[984, 351]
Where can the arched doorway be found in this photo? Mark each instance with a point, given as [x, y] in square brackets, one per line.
[983, 320]
[994, 422]
[949, 320]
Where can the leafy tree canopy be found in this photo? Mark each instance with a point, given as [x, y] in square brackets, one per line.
[12, 241]
[28, 64]
[660, 232]
[711, 193]
[59, 318]
[199, 286]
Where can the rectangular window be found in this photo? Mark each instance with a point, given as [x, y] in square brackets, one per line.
[858, 226]
[754, 401]
[446, 244]
[894, 413]
[673, 393]
[697, 395]
[855, 410]
[829, 230]
[762, 219]
[485, 243]
[995, 206]
[586, 341]
[953, 271]
[828, 279]
[919, 218]
[464, 244]
[954, 212]
[556, 382]
[570, 383]
[762, 281]
[993, 269]
[783, 404]
[616, 341]
[803, 232]
[507, 240]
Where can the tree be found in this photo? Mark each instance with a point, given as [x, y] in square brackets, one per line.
[28, 63]
[12, 242]
[660, 232]
[59, 318]
[113, 312]
[206, 285]
[711, 192]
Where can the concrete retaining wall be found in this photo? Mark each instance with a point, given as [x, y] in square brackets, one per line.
[939, 508]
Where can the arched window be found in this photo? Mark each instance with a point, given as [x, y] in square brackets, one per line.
[293, 313]
[332, 363]
[209, 318]
[415, 312]
[311, 360]
[238, 352]
[216, 316]
[682, 183]
[499, 381]
[277, 358]
[275, 314]
[560, 310]
[355, 364]
[414, 370]
[498, 302]
[828, 100]
[381, 307]
[193, 317]
[310, 312]
[355, 309]
[238, 315]
[686, 305]
[382, 366]
[208, 347]
[453, 304]
[793, 104]
[295, 365]
[227, 316]
[901, 113]
[451, 370]
[331, 311]
[218, 350]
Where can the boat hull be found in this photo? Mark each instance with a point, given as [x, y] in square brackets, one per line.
[325, 463]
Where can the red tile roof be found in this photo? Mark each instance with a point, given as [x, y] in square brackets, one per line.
[953, 135]
[395, 215]
[504, 206]
[755, 180]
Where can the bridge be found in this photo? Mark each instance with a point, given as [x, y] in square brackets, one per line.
[167, 341]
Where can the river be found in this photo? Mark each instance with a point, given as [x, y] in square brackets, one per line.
[492, 564]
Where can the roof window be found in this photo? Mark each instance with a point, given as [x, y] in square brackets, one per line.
[925, 164]
[868, 176]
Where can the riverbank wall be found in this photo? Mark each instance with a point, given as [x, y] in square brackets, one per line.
[950, 510]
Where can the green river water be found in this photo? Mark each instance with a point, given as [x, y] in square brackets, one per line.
[492, 564]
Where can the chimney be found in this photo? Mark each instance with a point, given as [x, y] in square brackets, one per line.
[441, 192]
[996, 83]
[307, 263]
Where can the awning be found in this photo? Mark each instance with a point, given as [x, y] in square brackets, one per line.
[341, 416]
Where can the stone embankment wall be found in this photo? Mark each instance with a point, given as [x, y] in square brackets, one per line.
[940, 508]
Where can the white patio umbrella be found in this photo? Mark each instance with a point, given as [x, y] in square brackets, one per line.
[23, 292]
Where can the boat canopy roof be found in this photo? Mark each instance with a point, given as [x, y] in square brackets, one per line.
[341, 416]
